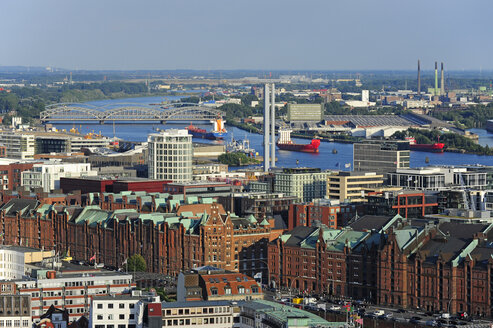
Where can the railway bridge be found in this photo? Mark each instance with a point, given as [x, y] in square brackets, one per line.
[74, 112]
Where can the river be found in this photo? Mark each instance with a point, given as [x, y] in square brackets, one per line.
[325, 159]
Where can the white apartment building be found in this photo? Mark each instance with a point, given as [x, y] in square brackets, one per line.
[71, 290]
[18, 145]
[170, 155]
[121, 311]
[13, 260]
[12, 264]
[47, 175]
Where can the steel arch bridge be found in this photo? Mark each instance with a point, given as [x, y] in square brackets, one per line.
[73, 112]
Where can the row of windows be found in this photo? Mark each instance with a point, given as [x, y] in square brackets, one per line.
[14, 323]
[112, 317]
[198, 310]
[196, 321]
[112, 305]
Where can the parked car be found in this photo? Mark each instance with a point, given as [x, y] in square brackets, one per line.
[335, 308]
[401, 311]
[379, 313]
[388, 315]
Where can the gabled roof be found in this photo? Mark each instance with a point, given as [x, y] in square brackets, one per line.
[374, 222]
[20, 205]
[299, 234]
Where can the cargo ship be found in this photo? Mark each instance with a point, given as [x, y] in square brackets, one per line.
[437, 147]
[284, 142]
[218, 132]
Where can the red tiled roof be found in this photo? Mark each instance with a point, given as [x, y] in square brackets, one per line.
[233, 280]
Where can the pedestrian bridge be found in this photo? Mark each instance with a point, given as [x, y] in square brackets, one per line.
[73, 112]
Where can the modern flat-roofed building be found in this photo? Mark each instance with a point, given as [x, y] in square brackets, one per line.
[170, 155]
[438, 178]
[406, 203]
[13, 260]
[200, 314]
[18, 145]
[47, 175]
[304, 183]
[353, 186]
[305, 112]
[199, 188]
[380, 156]
[71, 287]
[122, 310]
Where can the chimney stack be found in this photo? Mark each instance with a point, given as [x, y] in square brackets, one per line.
[442, 84]
[436, 78]
[419, 77]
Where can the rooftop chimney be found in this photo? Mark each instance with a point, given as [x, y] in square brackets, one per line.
[436, 78]
[442, 83]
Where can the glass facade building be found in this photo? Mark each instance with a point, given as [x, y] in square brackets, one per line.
[380, 156]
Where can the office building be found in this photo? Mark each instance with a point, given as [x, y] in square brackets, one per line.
[11, 172]
[353, 186]
[200, 314]
[305, 112]
[15, 311]
[48, 175]
[380, 156]
[18, 145]
[304, 183]
[13, 260]
[170, 155]
[407, 203]
[438, 178]
[259, 204]
[122, 310]
[70, 287]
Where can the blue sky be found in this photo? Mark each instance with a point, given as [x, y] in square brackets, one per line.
[247, 34]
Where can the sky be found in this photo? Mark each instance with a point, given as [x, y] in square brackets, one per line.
[247, 34]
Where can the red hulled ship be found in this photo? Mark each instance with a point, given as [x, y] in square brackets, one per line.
[285, 143]
[437, 147]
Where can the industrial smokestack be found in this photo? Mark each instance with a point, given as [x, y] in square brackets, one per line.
[436, 78]
[419, 78]
[266, 128]
[442, 84]
[273, 126]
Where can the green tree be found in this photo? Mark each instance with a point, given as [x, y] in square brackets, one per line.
[136, 263]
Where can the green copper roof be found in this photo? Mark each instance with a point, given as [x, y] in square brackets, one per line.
[264, 223]
[192, 200]
[287, 316]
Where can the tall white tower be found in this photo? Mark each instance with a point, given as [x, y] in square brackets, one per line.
[269, 127]
[170, 155]
[266, 129]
